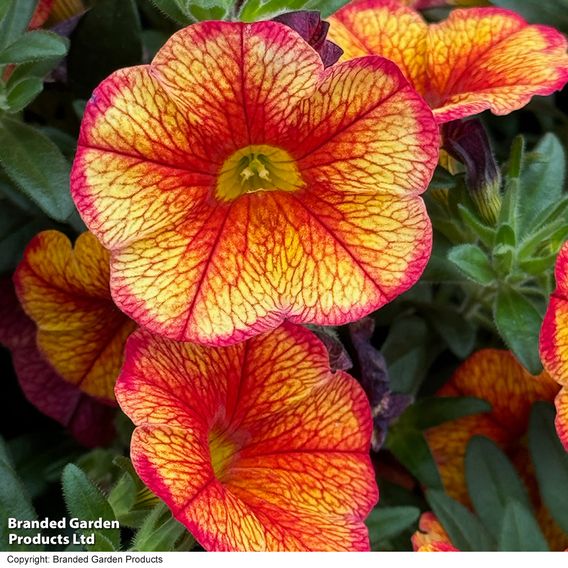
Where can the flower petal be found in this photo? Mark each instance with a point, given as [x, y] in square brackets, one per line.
[350, 237]
[90, 421]
[487, 58]
[561, 403]
[386, 28]
[296, 437]
[554, 342]
[240, 83]
[65, 291]
[377, 136]
[477, 59]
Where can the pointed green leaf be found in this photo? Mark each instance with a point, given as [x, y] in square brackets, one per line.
[520, 531]
[37, 167]
[473, 262]
[85, 501]
[34, 46]
[550, 461]
[464, 529]
[387, 522]
[518, 323]
[492, 482]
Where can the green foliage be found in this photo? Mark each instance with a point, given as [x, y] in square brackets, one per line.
[37, 167]
[14, 503]
[520, 531]
[550, 462]
[493, 483]
[508, 267]
[161, 532]
[384, 523]
[465, 530]
[553, 13]
[85, 501]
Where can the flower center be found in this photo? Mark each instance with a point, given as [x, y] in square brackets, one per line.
[223, 450]
[257, 168]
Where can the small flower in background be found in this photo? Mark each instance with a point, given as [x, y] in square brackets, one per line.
[65, 291]
[258, 446]
[89, 420]
[554, 342]
[237, 184]
[497, 377]
[431, 536]
[477, 59]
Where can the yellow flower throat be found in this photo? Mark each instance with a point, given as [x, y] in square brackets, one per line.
[257, 168]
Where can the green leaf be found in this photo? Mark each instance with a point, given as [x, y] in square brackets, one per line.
[518, 323]
[464, 529]
[430, 412]
[520, 531]
[485, 233]
[159, 532]
[34, 46]
[550, 461]
[174, 10]
[458, 333]
[14, 503]
[536, 11]
[15, 20]
[410, 448]
[22, 93]
[85, 501]
[37, 167]
[387, 522]
[326, 7]
[492, 482]
[542, 181]
[473, 262]
[407, 351]
[108, 37]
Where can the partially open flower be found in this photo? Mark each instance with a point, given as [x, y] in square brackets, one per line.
[65, 291]
[238, 184]
[88, 420]
[258, 446]
[554, 342]
[477, 59]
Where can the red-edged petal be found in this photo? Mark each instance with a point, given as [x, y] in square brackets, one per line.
[65, 291]
[258, 446]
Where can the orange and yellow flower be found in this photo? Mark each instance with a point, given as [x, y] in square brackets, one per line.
[257, 446]
[238, 184]
[86, 418]
[495, 376]
[65, 291]
[477, 59]
[554, 342]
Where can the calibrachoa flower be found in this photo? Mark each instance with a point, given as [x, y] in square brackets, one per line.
[497, 377]
[55, 11]
[66, 293]
[238, 184]
[258, 446]
[88, 420]
[477, 59]
[431, 536]
[554, 342]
